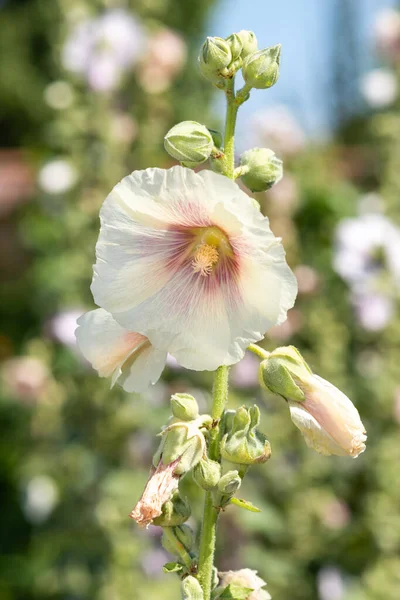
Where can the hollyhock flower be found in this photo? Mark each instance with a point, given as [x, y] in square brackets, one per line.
[277, 128]
[187, 260]
[57, 176]
[379, 88]
[328, 420]
[246, 578]
[126, 356]
[101, 49]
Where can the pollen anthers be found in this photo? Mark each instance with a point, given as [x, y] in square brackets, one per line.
[205, 257]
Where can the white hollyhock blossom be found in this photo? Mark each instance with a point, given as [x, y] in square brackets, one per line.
[246, 578]
[379, 88]
[187, 260]
[126, 356]
[328, 420]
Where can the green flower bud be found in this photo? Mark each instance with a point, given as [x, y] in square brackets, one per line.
[235, 44]
[214, 58]
[261, 169]
[189, 142]
[191, 589]
[229, 483]
[207, 473]
[243, 443]
[183, 534]
[281, 372]
[184, 407]
[181, 440]
[249, 42]
[261, 69]
[174, 512]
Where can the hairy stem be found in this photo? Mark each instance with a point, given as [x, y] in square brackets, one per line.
[258, 351]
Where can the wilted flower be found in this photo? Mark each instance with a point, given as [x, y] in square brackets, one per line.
[379, 88]
[246, 578]
[101, 49]
[128, 357]
[326, 417]
[187, 260]
[57, 176]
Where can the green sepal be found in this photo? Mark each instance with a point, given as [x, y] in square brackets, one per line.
[172, 567]
[234, 592]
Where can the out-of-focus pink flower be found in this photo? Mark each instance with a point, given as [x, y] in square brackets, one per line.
[245, 373]
[16, 181]
[336, 514]
[288, 328]
[307, 279]
[330, 584]
[103, 48]
[374, 310]
[165, 58]
[123, 128]
[379, 88]
[25, 377]
[387, 33]
[277, 128]
[284, 196]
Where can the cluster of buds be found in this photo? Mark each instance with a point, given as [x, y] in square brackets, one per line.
[192, 143]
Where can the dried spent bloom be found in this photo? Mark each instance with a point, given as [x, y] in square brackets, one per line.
[187, 260]
[246, 578]
[126, 356]
[328, 420]
[160, 487]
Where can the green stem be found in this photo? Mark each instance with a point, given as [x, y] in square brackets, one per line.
[180, 549]
[232, 108]
[258, 351]
[210, 517]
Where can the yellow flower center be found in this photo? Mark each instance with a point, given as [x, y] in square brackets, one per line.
[210, 244]
[205, 257]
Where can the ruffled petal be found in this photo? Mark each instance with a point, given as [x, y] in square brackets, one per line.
[126, 356]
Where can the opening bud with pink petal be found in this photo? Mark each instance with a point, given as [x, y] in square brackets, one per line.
[328, 420]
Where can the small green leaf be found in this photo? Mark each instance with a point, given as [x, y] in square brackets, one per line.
[245, 504]
[235, 592]
[172, 567]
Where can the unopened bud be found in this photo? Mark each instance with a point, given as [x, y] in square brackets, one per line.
[325, 416]
[214, 58]
[261, 69]
[182, 441]
[261, 169]
[207, 473]
[229, 483]
[183, 534]
[249, 42]
[189, 142]
[191, 589]
[235, 44]
[243, 443]
[174, 512]
[184, 407]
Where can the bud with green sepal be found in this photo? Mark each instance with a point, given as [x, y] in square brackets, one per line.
[326, 417]
[175, 537]
[243, 444]
[260, 169]
[184, 407]
[261, 69]
[183, 441]
[174, 512]
[214, 59]
[191, 589]
[207, 473]
[227, 487]
[189, 142]
[249, 42]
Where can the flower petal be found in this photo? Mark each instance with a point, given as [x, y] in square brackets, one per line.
[113, 351]
[315, 436]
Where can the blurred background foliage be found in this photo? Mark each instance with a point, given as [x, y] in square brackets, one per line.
[87, 91]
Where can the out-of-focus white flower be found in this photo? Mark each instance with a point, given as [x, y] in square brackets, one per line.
[246, 578]
[374, 310]
[370, 203]
[330, 584]
[123, 128]
[59, 95]
[165, 58]
[103, 48]
[379, 88]
[62, 326]
[188, 260]
[245, 373]
[387, 32]
[126, 356]
[25, 377]
[336, 514]
[57, 177]
[41, 497]
[277, 128]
